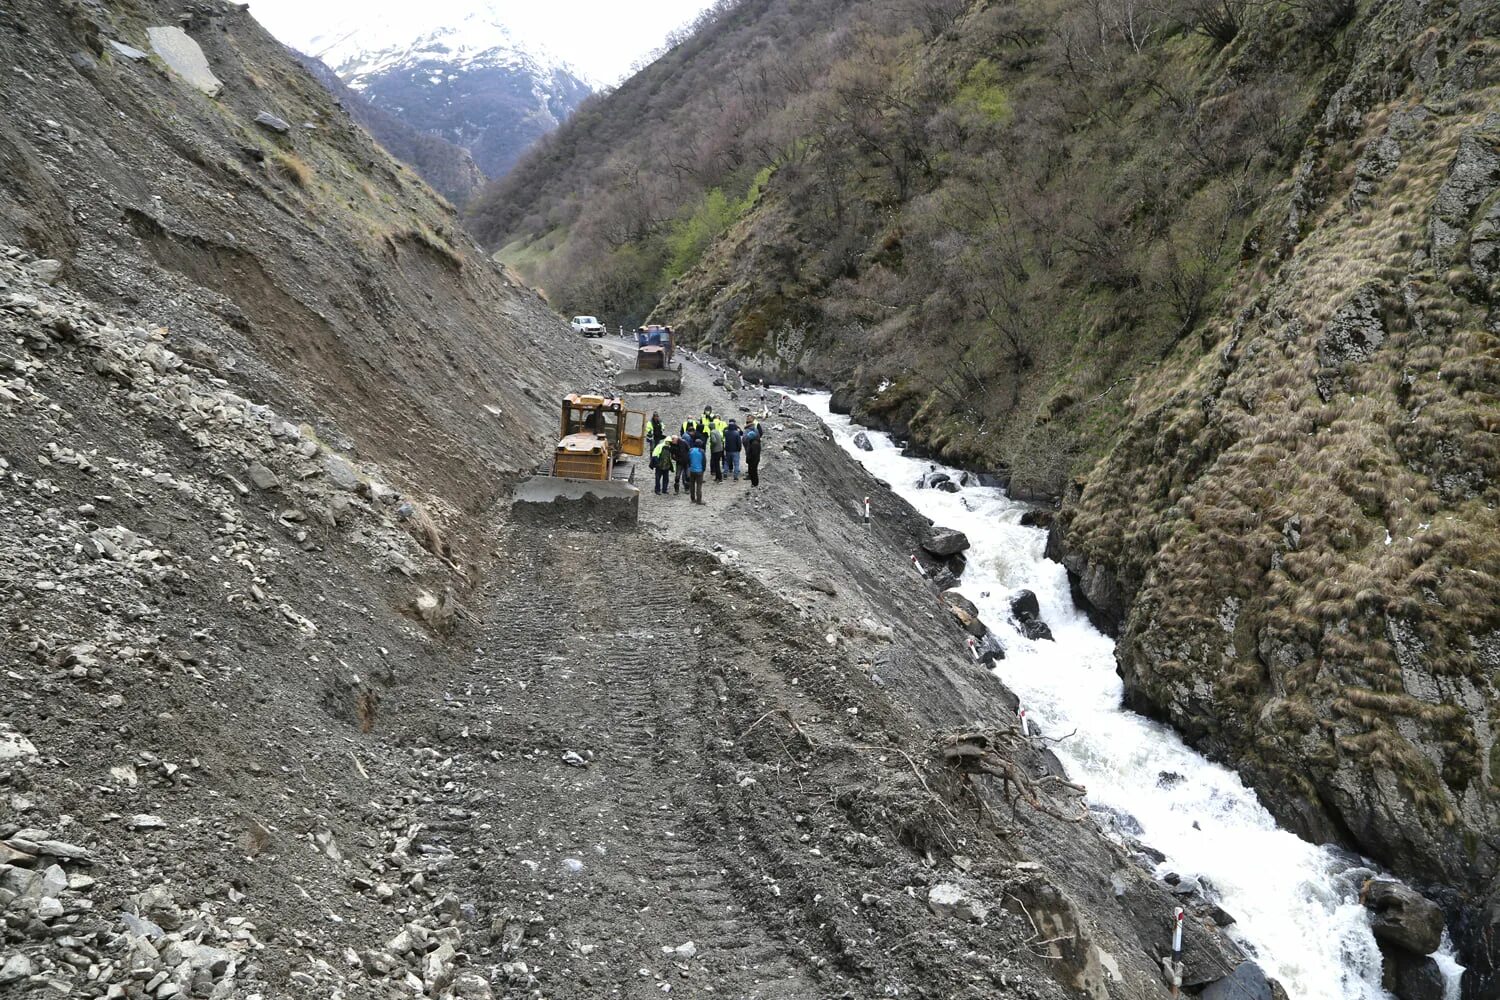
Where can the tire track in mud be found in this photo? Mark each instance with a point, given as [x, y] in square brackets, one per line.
[577, 654]
[658, 708]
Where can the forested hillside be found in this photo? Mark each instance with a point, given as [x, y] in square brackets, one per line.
[1223, 271]
[972, 196]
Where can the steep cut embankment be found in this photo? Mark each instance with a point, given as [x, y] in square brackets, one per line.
[1231, 265]
[305, 264]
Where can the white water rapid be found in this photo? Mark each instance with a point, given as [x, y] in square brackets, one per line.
[1296, 905]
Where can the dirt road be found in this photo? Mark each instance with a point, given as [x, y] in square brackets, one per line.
[684, 758]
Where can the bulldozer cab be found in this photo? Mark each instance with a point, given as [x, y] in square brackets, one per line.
[623, 431]
[585, 483]
[633, 433]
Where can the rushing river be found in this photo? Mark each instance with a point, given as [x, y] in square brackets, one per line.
[1295, 904]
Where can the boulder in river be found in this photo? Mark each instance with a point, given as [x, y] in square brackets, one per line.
[932, 479]
[1027, 613]
[1403, 917]
[1037, 517]
[944, 542]
[1411, 977]
[948, 486]
[1036, 630]
[862, 442]
[989, 649]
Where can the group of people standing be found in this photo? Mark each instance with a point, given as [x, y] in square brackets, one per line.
[703, 446]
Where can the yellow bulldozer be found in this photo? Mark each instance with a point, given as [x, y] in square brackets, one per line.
[653, 372]
[588, 474]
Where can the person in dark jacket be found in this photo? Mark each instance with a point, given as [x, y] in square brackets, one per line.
[732, 444]
[661, 461]
[697, 462]
[750, 441]
[682, 444]
[656, 432]
[716, 445]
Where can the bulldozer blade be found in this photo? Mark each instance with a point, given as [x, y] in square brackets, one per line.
[638, 380]
[553, 501]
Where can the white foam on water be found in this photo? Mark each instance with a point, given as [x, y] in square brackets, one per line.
[1295, 904]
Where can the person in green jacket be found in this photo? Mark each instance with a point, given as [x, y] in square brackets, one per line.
[661, 461]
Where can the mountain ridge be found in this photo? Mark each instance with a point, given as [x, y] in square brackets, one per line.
[454, 72]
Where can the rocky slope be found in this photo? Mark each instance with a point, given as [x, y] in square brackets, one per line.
[449, 168]
[291, 706]
[1295, 534]
[1224, 273]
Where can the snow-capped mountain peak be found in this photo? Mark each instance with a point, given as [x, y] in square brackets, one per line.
[456, 33]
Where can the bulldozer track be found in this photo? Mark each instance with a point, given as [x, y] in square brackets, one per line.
[622, 681]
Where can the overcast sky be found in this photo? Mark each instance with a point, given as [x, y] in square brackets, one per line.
[602, 38]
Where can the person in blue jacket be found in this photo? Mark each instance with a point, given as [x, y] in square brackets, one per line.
[697, 462]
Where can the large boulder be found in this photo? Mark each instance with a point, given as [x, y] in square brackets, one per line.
[1411, 977]
[862, 442]
[1038, 517]
[948, 900]
[1036, 630]
[944, 542]
[932, 479]
[185, 58]
[1027, 612]
[989, 649]
[964, 612]
[1247, 982]
[1402, 917]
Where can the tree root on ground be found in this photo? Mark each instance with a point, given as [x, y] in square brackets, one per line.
[977, 754]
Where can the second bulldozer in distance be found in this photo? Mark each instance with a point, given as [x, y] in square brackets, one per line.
[653, 372]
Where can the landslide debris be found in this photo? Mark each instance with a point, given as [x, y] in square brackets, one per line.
[239, 757]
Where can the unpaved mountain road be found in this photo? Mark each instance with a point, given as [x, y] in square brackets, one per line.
[683, 758]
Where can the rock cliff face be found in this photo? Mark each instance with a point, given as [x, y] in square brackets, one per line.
[1296, 532]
